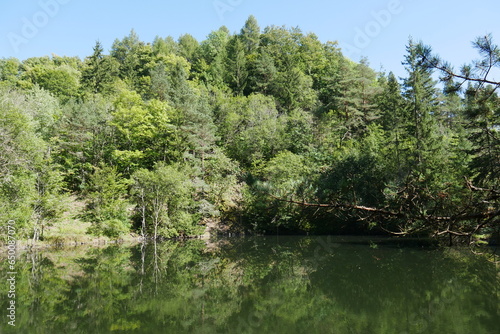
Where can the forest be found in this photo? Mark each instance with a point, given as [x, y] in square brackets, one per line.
[264, 131]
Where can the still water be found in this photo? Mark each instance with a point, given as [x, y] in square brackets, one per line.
[255, 285]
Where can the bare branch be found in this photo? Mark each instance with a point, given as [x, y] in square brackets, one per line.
[454, 218]
[341, 206]
[459, 76]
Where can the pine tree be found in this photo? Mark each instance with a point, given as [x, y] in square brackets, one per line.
[214, 54]
[237, 65]
[482, 113]
[357, 99]
[262, 73]
[136, 60]
[329, 77]
[393, 118]
[421, 100]
[250, 35]
[99, 72]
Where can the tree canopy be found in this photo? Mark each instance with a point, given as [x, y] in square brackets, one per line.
[264, 130]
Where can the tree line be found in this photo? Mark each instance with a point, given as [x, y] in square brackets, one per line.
[266, 130]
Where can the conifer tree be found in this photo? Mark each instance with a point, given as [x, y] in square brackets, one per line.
[99, 72]
[421, 100]
[250, 35]
[237, 65]
[393, 119]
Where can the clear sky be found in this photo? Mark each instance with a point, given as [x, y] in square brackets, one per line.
[377, 29]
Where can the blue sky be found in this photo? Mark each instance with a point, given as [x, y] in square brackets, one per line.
[377, 29]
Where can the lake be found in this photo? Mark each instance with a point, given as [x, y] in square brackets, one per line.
[287, 284]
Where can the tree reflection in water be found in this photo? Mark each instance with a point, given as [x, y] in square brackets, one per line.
[256, 285]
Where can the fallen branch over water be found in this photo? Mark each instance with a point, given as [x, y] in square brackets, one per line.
[483, 217]
[453, 218]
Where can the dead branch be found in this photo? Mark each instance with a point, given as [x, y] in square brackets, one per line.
[454, 218]
[340, 206]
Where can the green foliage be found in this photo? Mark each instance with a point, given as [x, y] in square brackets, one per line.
[285, 173]
[99, 72]
[287, 176]
[83, 139]
[299, 134]
[221, 177]
[61, 80]
[213, 56]
[328, 78]
[237, 65]
[9, 71]
[30, 184]
[307, 282]
[251, 128]
[45, 111]
[169, 79]
[106, 205]
[356, 103]
[250, 35]
[293, 89]
[188, 47]
[163, 199]
[257, 127]
[164, 46]
[482, 111]
[49, 202]
[357, 178]
[135, 60]
[143, 130]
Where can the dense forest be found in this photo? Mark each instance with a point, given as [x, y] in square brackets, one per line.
[265, 131]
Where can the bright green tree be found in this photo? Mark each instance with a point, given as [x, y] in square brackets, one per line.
[262, 73]
[251, 128]
[143, 131]
[62, 81]
[163, 201]
[20, 149]
[214, 54]
[164, 46]
[188, 47]
[50, 200]
[9, 71]
[106, 206]
[30, 183]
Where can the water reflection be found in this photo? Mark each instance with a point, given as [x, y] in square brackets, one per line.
[256, 285]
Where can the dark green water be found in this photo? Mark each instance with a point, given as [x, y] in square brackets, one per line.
[254, 285]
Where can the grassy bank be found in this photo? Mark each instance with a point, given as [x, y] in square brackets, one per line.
[70, 230]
